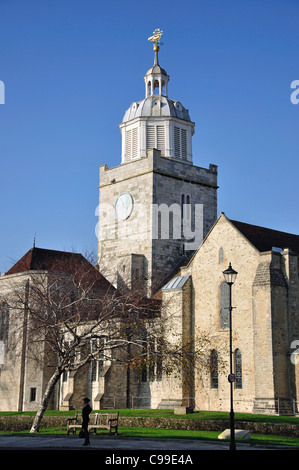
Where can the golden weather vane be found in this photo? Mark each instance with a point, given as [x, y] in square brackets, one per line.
[156, 37]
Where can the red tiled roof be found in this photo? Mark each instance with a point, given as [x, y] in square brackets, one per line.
[40, 259]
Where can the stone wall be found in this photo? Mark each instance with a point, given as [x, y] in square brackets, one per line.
[153, 180]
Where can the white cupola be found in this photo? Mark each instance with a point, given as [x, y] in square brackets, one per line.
[157, 121]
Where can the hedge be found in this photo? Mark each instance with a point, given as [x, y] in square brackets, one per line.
[17, 423]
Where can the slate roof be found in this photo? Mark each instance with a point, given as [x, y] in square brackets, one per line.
[265, 239]
[176, 283]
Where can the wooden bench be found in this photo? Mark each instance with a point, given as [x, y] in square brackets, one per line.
[74, 423]
[97, 421]
[105, 421]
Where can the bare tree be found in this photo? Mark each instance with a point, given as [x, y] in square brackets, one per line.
[65, 309]
[69, 308]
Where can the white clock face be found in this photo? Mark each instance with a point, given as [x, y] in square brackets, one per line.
[124, 206]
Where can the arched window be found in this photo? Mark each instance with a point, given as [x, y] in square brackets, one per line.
[238, 368]
[188, 208]
[214, 369]
[182, 205]
[221, 255]
[4, 321]
[224, 305]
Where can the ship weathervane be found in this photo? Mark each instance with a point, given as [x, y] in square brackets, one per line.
[156, 37]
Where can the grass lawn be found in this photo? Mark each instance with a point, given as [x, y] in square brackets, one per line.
[159, 433]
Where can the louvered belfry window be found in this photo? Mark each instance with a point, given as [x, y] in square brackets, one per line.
[177, 142]
[155, 138]
[135, 143]
[128, 144]
[150, 137]
[161, 139]
[131, 143]
[180, 143]
[184, 143]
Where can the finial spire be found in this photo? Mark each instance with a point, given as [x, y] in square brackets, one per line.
[156, 40]
[34, 239]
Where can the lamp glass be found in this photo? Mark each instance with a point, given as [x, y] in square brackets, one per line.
[230, 274]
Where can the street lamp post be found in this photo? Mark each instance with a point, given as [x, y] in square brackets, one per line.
[230, 276]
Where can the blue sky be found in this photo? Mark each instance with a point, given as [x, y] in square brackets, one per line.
[71, 68]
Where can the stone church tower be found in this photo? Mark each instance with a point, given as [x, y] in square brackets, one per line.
[156, 206]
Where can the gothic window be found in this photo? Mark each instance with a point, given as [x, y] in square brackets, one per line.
[224, 305]
[97, 365]
[221, 255]
[188, 208]
[185, 207]
[4, 321]
[94, 366]
[238, 368]
[182, 205]
[151, 355]
[32, 394]
[214, 369]
[159, 362]
[151, 365]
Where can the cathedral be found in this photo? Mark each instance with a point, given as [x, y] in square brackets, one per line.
[159, 229]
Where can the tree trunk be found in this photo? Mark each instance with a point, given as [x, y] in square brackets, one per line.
[44, 403]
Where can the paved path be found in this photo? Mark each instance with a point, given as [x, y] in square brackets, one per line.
[37, 442]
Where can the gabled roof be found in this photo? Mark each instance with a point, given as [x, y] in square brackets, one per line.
[40, 259]
[265, 239]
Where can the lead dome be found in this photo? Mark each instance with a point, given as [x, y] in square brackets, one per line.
[157, 121]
